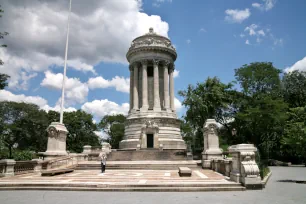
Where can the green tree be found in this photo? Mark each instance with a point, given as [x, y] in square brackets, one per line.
[211, 99]
[3, 77]
[113, 126]
[261, 112]
[81, 129]
[294, 88]
[294, 138]
[22, 125]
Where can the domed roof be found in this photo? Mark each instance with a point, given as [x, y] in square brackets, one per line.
[151, 41]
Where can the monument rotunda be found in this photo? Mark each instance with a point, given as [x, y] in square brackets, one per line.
[152, 120]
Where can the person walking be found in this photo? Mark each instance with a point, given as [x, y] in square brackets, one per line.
[103, 161]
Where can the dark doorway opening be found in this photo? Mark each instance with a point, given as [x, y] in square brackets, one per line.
[150, 141]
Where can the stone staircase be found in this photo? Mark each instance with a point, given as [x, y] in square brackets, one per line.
[147, 154]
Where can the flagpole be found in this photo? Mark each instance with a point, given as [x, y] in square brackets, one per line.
[65, 63]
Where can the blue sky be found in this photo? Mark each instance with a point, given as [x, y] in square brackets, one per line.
[212, 37]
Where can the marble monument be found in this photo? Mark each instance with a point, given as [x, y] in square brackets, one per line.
[152, 121]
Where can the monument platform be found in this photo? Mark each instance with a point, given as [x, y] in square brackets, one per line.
[123, 180]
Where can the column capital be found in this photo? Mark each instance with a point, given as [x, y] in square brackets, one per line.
[166, 62]
[144, 62]
[131, 67]
[156, 61]
[171, 67]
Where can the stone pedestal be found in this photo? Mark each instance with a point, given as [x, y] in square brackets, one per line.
[7, 166]
[211, 143]
[244, 168]
[57, 134]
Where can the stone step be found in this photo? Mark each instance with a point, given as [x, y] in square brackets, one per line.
[148, 154]
[124, 187]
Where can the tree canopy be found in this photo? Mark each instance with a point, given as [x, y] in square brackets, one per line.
[267, 110]
[113, 126]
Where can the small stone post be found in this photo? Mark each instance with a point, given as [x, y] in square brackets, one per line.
[38, 165]
[8, 169]
[86, 149]
[244, 168]
[211, 143]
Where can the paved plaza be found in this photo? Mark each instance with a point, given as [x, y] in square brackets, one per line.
[94, 179]
[275, 192]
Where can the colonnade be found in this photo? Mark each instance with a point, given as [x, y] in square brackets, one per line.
[168, 84]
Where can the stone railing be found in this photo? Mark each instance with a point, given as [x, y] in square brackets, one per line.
[24, 167]
[9, 167]
[61, 162]
[223, 166]
[241, 168]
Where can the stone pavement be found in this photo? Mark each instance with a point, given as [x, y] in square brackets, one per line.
[124, 180]
[275, 192]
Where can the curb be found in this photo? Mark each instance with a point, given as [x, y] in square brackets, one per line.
[266, 179]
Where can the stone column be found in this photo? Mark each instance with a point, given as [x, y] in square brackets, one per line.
[172, 90]
[166, 86]
[145, 103]
[131, 87]
[156, 87]
[135, 88]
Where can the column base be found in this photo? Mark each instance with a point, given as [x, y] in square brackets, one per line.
[134, 110]
[156, 109]
[144, 108]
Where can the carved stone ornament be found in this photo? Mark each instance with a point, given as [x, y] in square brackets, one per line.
[150, 124]
[52, 132]
[211, 129]
[156, 61]
[165, 122]
[152, 39]
[144, 62]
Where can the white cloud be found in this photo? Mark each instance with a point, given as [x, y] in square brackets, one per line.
[237, 16]
[251, 29]
[177, 105]
[75, 90]
[256, 5]
[37, 100]
[242, 35]
[176, 73]
[99, 31]
[100, 108]
[299, 65]
[266, 5]
[188, 41]
[203, 30]
[9, 96]
[119, 83]
[247, 42]
[57, 108]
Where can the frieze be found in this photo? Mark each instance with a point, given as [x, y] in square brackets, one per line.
[163, 122]
[152, 42]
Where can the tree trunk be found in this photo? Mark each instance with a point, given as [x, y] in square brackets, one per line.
[10, 151]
